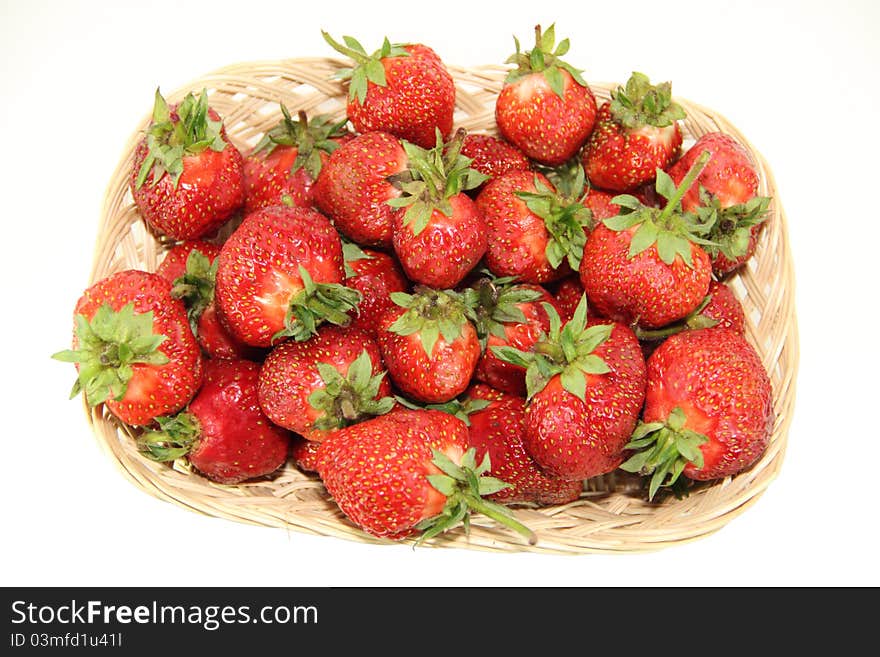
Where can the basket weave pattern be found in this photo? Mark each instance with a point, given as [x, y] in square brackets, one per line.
[612, 514]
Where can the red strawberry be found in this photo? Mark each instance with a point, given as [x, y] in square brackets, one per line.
[279, 275]
[354, 186]
[646, 266]
[305, 453]
[186, 178]
[328, 382]
[635, 134]
[429, 345]
[403, 89]
[600, 204]
[586, 386]
[492, 156]
[545, 107]
[375, 275]
[726, 198]
[133, 348]
[568, 293]
[288, 159]
[708, 409]
[223, 433]
[435, 216]
[534, 232]
[407, 472]
[191, 269]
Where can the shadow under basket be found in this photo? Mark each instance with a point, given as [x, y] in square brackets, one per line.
[612, 514]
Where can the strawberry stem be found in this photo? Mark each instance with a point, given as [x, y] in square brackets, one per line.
[692, 174]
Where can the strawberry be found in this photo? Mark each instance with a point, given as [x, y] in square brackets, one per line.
[223, 433]
[186, 178]
[403, 89]
[545, 107]
[355, 184]
[375, 275]
[288, 159]
[434, 215]
[191, 268]
[280, 275]
[304, 453]
[534, 232]
[636, 133]
[133, 348]
[708, 409]
[647, 266]
[429, 344]
[508, 315]
[323, 384]
[567, 293]
[600, 204]
[493, 156]
[726, 198]
[409, 472]
[586, 386]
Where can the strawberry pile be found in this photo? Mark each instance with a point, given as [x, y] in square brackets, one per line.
[437, 323]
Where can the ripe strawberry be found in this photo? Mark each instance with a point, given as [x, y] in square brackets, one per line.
[328, 382]
[279, 275]
[492, 156]
[586, 386]
[191, 268]
[304, 453]
[600, 204]
[428, 343]
[534, 232]
[435, 216]
[375, 275]
[133, 348]
[223, 433]
[288, 159]
[409, 472]
[726, 198]
[635, 134]
[708, 409]
[567, 294]
[186, 178]
[646, 266]
[545, 107]
[354, 186]
[403, 89]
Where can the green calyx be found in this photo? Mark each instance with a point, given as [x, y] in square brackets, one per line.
[566, 351]
[351, 252]
[642, 103]
[460, 407]
[566, 218]
[196, 287]
[696, 319]
[433, 176]
[465, 486]
[171, 138]
[431, 313]
[316, 304]
[730, 228]
[107, 347]
[497, 305]
[367, 68]
[663, 449]
[349, 398]
[544, 58]
[672, 230]
[310, 137]
[175, 437]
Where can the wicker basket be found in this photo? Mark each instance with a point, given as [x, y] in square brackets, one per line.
[612, 514]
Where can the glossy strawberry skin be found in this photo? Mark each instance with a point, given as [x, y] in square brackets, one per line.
[437, 379]
[289, 375]
[209, 191]
[493, 156]
[376, 277]
[547, 128]
[419, 98]
[153, 390]
[447, 249]
[574, 439]
[641, 289]
[269, 177]
[304, 453]
[516, 237]
[725, 308]
[618, 159]
[236, 442]
[716, 377]
[567, 294]
[377, 470]
[600, 204]
[258, 271]
[353, 189]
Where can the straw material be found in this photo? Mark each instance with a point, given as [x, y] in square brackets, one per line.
[612, 515]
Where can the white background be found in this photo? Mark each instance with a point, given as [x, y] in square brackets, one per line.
[798, 79]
